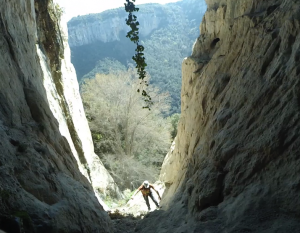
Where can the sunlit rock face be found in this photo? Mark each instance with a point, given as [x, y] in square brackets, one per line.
[235, 164]
[50, 177]
[109, 26]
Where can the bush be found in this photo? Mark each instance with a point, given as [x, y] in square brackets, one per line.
[126, 136]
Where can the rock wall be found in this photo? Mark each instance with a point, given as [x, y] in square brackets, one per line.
[95, 28]
[235, 163]
[50, 177]
[110, 25]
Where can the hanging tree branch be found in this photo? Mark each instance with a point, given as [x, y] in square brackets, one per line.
[139, 58]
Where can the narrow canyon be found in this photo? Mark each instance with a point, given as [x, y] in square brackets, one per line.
[234, 165]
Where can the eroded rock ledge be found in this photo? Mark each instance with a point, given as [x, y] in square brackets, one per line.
[50, 177]
[235, 164]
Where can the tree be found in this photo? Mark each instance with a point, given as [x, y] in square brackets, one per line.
[174, 119]
[121, 128]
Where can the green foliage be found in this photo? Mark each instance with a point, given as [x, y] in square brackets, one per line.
[115, 203]
[59, 11]
[124, 134]
[139, 58]
[105, 66]
[109, 201]
[129, 172]
[174, 122]
[97, 136]
[164, 47]
[97, 57]
[127, 196]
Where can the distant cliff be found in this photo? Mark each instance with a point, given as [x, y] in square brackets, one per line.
[166, 31]
[110, 25]
[51, 178]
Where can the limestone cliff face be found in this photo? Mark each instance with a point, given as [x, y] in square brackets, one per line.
[110, 25]
[50, 177]
[235, 164]
[107, 27]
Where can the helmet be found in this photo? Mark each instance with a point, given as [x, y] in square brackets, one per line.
[146, 184]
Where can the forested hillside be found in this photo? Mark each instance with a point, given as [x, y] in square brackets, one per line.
[166, 31]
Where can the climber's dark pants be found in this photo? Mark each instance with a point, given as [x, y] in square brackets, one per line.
[146, 197]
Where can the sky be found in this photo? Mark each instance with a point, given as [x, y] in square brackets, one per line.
[73, 8]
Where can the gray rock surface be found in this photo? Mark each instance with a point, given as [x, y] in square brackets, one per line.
[235, 163]
[51, 180]
[109, 26]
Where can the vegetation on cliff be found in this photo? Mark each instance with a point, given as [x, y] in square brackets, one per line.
[131, 141]
[138, 57]
[165, 47]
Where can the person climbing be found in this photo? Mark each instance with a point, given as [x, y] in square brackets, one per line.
[145, 188]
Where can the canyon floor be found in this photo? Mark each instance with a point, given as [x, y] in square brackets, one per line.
[129, 223]
[126, 218]
[125, 223]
